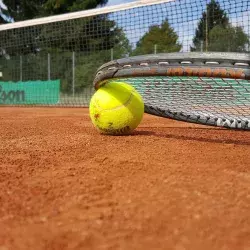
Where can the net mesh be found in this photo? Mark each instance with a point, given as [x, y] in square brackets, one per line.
[71, 47]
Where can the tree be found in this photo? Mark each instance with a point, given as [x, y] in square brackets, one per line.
[28, 9]
[53, 7]
[72, 35]
[4, 13]
[213, 16]
[91, 38]
[163, 36]
[60, 40]
[21, 10]
[89, 62]
[227, 39]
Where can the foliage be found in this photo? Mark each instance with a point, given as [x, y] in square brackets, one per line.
[4, 13]
[215, 33]
[90, 38]
[227, 39]
[53, 7]
[24, 9]
[163, 36]
[212, 17]
[28, 9]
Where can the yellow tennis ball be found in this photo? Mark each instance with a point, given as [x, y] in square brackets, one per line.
[116, 108]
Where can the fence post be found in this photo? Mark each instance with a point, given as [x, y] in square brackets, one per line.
[112, 54]
[21, 68]
[48, 67]
[207, 18]
[155, 48]
[202, 43]
[73, 73]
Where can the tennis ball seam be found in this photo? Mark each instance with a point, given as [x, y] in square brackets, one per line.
[120, 106]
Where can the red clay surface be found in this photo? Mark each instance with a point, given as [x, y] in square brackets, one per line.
[171, 185]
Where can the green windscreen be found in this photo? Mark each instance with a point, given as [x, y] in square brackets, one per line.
[30, 92]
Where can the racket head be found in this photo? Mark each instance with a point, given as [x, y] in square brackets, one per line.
[206, 88]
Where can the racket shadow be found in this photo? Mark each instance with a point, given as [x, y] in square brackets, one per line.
[210, 135]
[142, 133]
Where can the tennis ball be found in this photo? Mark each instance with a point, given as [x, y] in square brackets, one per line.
[116, 108]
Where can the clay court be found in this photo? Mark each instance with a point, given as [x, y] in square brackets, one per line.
[170, 185]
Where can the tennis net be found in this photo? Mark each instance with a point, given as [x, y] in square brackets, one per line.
[71, 47]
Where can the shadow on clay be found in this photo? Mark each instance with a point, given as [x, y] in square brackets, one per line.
[214, 135]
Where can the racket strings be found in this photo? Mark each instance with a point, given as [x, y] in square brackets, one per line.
[196, 99]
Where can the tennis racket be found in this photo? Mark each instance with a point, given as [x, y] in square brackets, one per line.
[205, 88]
